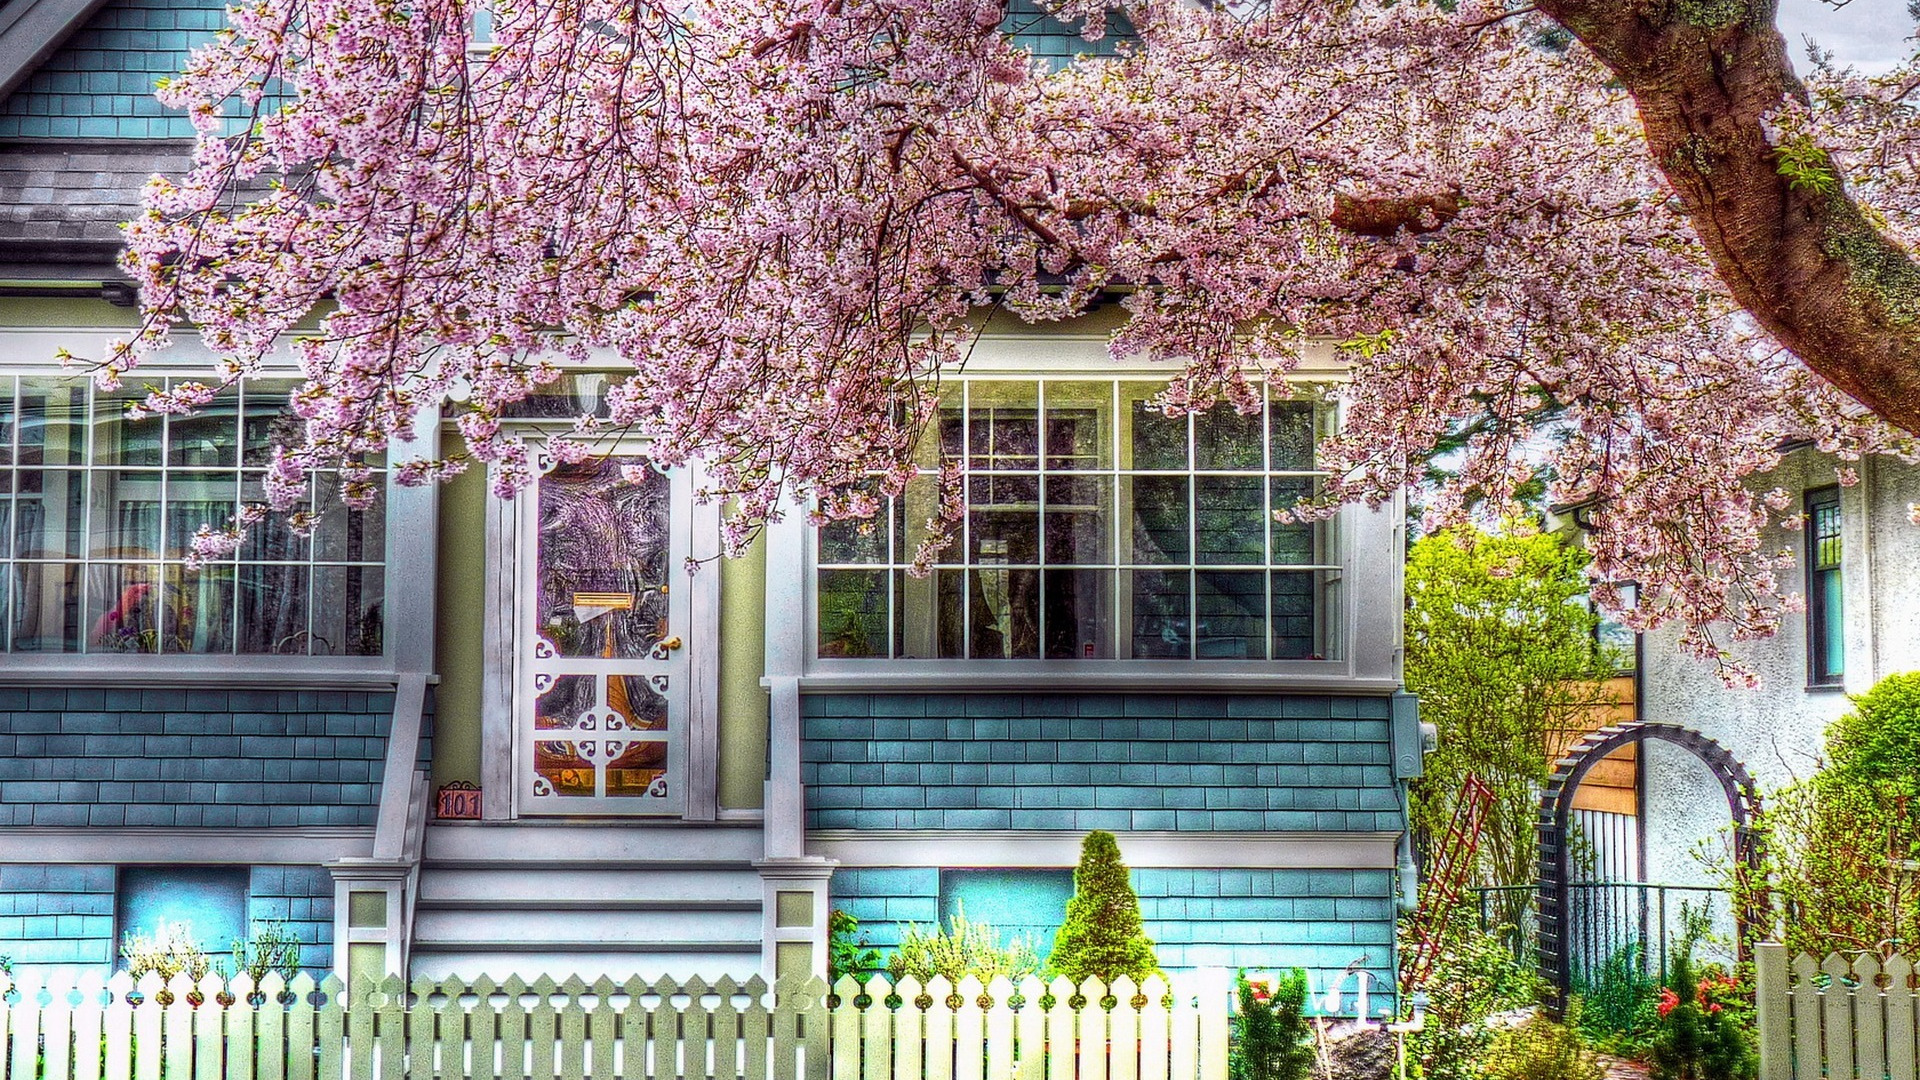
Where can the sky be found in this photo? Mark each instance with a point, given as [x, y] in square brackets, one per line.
[1872, 35]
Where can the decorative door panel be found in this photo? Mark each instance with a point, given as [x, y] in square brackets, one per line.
[602, 702]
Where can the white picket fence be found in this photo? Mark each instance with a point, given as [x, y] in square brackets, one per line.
[95, 1029]
[1837, 1018]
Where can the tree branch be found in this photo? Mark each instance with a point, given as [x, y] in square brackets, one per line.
[1806, 262]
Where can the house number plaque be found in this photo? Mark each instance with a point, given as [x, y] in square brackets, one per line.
[458, 801]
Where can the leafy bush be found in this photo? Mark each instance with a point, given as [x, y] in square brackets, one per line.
[1843, 844]
[965, 948]
[1475, 976]
[846, 953]
[1705, 1017]
[272, 949]
[1270, 1031]
[169, 952]
[1103, 936]
[1617, 1003]
[1540, 1048]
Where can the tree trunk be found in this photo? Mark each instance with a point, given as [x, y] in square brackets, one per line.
[1808, 265]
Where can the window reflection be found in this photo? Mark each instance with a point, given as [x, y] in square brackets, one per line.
[1096, 527]
[98, 512]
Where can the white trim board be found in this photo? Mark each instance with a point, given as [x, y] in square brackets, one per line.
[1200, 851]
[185, 846]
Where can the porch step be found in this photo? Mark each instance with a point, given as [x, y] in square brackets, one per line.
[560, 898]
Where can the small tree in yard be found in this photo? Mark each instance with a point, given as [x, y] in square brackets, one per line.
[1500, 649]
[1102, 936]
[1844, 843]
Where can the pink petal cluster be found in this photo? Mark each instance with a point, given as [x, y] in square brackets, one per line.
[791, 216]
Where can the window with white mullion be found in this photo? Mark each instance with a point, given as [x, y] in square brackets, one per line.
[1094, 527]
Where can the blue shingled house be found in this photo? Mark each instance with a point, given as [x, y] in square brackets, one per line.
[374, 734]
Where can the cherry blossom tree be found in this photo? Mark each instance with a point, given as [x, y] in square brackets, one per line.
[790, 217]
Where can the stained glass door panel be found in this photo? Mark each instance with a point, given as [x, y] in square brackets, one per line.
[604, 678]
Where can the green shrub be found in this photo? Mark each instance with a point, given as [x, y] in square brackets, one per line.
[1704, 1018]
[1103, 936]
[848, 951]
[1270, 1032]
[1540, 1048]
[169, 952]
[1475, 975]
[272, 949]
[964, 948]
[1617, 1003]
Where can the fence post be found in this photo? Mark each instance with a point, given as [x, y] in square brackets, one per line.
[1213, 1024]
[1900, 1047]
[1772, 1014]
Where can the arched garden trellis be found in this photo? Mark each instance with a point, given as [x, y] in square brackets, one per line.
[1556, 809]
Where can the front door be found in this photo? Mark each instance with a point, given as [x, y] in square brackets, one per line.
[601, 700]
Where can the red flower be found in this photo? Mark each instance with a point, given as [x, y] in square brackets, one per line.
[1668, 1001]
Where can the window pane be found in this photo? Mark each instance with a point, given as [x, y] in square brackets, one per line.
[46, 607]
[1294, 605]
[1290, 434]
[195, 499]
[1159, 441]
[1079, 522]
[1161, 612]
[210, 438]
[912, 511]
[118, 440]
[53, 417]
[125, 519]
[1833, 626]
[1230, 617]
[1005, 519]
[49, 514]
[1079, 613]
[1160, 519]
[854, 541]
[273, 610]
[1229, 520]
[7, 419]
[271, 539]
[1003, 429]
[1004, 612]
[267, 420]
[1079, 426]
[346, 534]
[852, 613]
[197, 613]
[949, 615]
[603, 548]
[1294, 542]
[123, 608]
[1224, 439]
[348, 615]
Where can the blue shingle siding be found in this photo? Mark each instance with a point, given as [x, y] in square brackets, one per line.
[1034, 29]
[56, 914]
[302, 898]
[100, 83]
[113, 758]
[1262, 920]
[1127, 762]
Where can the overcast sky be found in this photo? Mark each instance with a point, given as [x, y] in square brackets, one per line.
[1872, 35]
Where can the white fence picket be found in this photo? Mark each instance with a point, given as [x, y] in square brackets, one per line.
[1835, 1018]
[220, 1030]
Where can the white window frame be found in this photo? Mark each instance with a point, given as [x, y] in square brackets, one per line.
[1366, 546]
[410, 564]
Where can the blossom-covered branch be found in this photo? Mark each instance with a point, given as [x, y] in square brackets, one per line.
[790, 216]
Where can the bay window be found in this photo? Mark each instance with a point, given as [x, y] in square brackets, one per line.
[1096, 527]
[98, 512]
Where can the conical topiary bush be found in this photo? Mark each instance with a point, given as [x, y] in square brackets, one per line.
[1102, 935]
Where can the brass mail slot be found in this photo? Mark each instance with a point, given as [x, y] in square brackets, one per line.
[618, 601]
